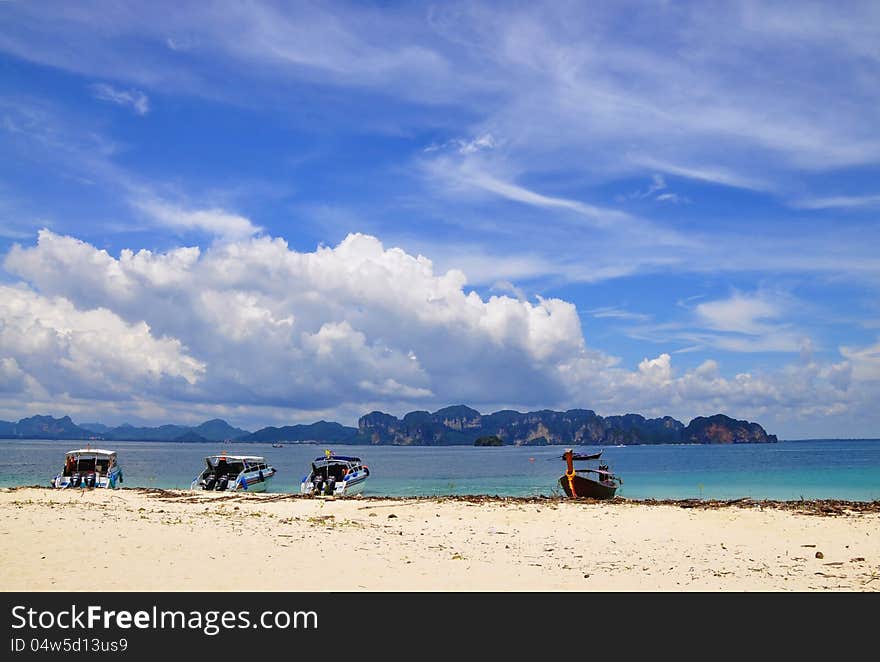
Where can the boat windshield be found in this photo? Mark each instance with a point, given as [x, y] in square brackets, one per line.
[223, 467]
[79, 464]
[336, 470]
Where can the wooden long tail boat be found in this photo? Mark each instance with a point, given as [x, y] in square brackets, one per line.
[601, 485]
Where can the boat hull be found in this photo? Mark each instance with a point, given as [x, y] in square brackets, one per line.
[250, 481]
[345, 488]
[347, 475]
[585, 488]
[109, 481]
[255, 482]
[257, 486]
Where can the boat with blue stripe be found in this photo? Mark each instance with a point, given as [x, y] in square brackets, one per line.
[335, 475]
[225, 472]
[89, 467]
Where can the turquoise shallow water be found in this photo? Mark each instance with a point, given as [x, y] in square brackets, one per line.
[823, 469]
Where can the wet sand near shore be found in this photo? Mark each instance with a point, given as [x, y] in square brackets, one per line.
[170, 540]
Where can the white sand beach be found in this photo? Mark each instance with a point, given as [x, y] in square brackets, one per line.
[145, 540]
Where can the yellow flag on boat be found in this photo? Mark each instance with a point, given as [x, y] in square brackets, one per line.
[328, 453]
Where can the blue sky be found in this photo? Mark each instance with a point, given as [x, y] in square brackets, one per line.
[278, 213]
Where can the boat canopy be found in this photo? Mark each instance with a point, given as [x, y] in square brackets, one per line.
[236, 458]
[92, 451]
[341, 458]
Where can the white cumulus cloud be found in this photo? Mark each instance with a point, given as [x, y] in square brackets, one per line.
[355, 323]
[253, 326]
[50, 341]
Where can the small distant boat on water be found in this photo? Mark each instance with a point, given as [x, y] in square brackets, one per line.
[603, 486]
[277, 445]
[335, 475]
[234, 472]
[89, 467]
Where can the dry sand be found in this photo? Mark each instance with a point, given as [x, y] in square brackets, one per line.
[54, 540]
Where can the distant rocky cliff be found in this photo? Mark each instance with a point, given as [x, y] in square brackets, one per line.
[720, 429]
[320, 431]
[44, 427]
[458, 425]
[47, 427]
[463, 425]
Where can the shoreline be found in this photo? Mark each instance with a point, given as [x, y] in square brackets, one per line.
[149, 539]
[806, 506]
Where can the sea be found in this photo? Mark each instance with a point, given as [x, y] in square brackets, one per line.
[787, 470]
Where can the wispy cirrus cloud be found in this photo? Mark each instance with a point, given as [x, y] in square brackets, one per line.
[136, 100]
[469, 174]
[673, 198]
[742, 323]
[618, 313]
[465, 146]
[741, 313]
[535, 74]
[76, 148]
[656, 190]
[838, 202]
[214, 221]
[712, 174]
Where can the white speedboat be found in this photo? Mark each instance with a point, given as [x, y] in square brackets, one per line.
[335, 475]
[234, 472]
[89, 467]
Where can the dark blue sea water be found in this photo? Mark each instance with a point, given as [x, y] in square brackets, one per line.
[827, 469]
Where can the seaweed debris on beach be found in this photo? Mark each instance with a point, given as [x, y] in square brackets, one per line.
[820, 507]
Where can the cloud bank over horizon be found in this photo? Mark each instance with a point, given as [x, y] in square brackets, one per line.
[262, 332]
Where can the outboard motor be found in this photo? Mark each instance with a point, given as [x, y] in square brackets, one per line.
[317, 484]
[75, 479]
[90, 480]
[210, 482]
[222, 483]
[331, 486]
